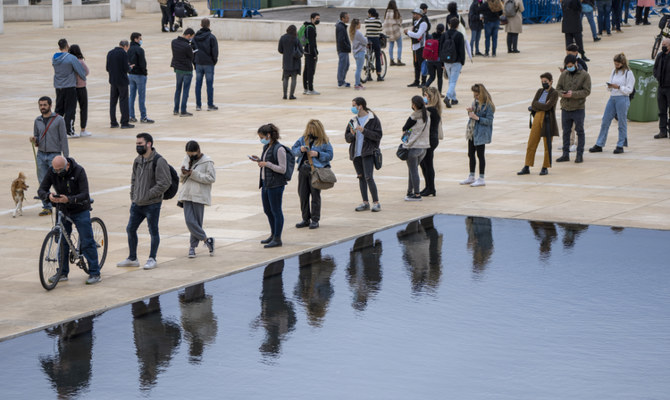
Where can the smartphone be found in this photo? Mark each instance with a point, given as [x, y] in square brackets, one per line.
[57, 195]
[351, 125]
[608, 83]
[253, 158]
[564, 92]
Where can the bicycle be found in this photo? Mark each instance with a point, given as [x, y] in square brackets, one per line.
[53, 251]
[369, 63]
[665, 33]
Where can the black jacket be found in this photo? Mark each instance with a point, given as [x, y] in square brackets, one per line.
[289, 47]
[136, 57]
[372, 135]
[342, 38]
[74, 185]
[662, 69]
[208, 47]
[572, 16]
[435, 120]
[273, 179]
[489, 16]
[310, 32]
[182, 54]
[459, 44]
[473, 17]
[118, 66]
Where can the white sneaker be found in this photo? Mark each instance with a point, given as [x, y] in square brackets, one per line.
[314, 92]
[85, 133]
[478, 182]
[573, 148]
[468, 181]
[73, 136]
[151, 264]
[128, 263]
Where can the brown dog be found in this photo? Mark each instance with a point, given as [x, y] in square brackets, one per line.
[18, 187]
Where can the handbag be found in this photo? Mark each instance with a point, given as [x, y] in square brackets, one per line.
[402, 152]
[377, 157]
[297, 51]
[321, 178]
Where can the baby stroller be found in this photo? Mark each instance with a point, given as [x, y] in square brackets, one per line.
[182, 9]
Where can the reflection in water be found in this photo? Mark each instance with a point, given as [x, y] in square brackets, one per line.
[364, 271]
[571, 232]
[198, 320]
[480, 242]
[617, 229]
[277, 313]
[155, 340]
[422, 253]
[70, 370]
[314, 288]
[545, 233]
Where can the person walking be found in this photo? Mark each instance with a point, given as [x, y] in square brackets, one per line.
[436, 68]
[571, 25]
[66, 70]
[491, 10]
[642, 11]
[392, 27]
[138, 78]
[182, 62]
[373, 30]
[478, 132]
[343, 49]
[418, 36]
[434, 107]
[311, 54]
[118, 67]
[604, 14]
[291, 51]
[544, 124]
[359, 45]
[620, 85]
[574, 85]
[662, 75]
[205, 60]
[363, 133]
[416, 138]
[50, 138]
[588, 6]
[452, 54]
[476, 26]
[196, 176]
[514, 24]
[272, 164]
[82, 94]
[313, 148]
[149, 180]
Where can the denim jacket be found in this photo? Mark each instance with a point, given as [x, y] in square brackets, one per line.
[484, 127]
[322, 160]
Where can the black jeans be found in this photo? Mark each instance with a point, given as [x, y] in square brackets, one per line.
[305, 190]
[168, 17]
[575, 38]
[435, 68]
[512, 41]
[308, 73]
[66, 105]
[428, 169]
[82, 99]
[568, 118]
[418, 60]
[377, 48]
[365, 167]
[119, 94]
[285, 79]
[639, 15]
[663, 100]
[479, 151]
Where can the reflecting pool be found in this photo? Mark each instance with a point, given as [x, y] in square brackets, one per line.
[440, 308]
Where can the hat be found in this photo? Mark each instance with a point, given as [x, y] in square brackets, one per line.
[417, 11]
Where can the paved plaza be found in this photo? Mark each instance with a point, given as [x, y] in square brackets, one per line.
[628, 190]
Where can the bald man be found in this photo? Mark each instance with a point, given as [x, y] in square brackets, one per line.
[662, 75]
[70, 184]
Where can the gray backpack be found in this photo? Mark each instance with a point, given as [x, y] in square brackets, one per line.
[510, 9]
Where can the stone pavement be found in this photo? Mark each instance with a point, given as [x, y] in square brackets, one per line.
[629, 190]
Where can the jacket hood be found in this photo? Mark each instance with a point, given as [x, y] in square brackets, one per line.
[203, 160]
[59, 58]
[202, 33]
[73, 165]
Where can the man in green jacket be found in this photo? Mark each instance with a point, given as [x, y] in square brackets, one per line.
[574, 85]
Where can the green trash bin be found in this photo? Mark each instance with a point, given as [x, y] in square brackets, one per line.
[643, 107]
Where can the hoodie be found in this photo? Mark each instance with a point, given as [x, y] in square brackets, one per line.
[74, 185]
[208, 47]
[66, 68]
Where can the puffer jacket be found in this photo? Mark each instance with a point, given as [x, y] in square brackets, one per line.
[197, 187]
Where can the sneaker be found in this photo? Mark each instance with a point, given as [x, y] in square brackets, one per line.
[186, 114]
[93, 279]
[573, 148]
[133, 119]
[469, 180]
[363, 207]
[376, 207]
[544, 171]
[306, 92]
[175, 112]
[128, 263]
[478, 182]
[414, 84]
[595, 39]
[62, 278]
[198, 108]
[413, 197]
[191, 254]
[314, 92]
[302, 224]
[400, 63]
[74, 135]
[292, 97]
[85, 133]
[344, 85]
[212, 108]
[313, 225]
[660, 136]
[151, 264]
[586, 58]
[380, 79]
[165, 29]
[209, 242]
[618, 150]
[113, 126]
[127, 126]
[454, 102]
[45, 212]
[359, 87]
[147, 121]
[563, 158]
[595, 149]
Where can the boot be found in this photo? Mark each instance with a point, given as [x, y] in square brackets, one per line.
[400, 63]
[565, 157]
[524, 171]
[579, 159]
[276, 242]
[393, 63]
[268, 240]
[544, 171]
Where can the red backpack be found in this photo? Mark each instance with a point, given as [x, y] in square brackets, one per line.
[431, 51]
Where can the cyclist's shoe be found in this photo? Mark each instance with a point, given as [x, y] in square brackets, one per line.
[128, 263]
[151, 264]
[93, 279]
[209, 242]
[379, 78]
[62, 278]
[45, 212]
[191, 252]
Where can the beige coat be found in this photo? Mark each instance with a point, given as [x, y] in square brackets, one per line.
[392, 27]
[198, 186]
[515, 24]
[420, 136]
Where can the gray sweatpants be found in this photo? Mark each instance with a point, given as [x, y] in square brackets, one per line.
[413, 159]
[193, 215]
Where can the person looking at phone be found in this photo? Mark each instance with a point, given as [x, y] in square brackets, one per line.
[662, 75]
[574, 86]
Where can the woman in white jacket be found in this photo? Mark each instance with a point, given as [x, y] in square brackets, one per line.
[416, 138]
[197, 175]
[620, 85]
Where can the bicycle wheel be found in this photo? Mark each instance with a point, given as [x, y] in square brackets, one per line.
[100, 237]
[657, 45]
[49, 256]
[366, 73]
[384, 64]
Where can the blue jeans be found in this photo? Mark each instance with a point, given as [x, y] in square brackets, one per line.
[138, 84]
[342, 68]
[391, 43]
[453, 71]
[87, 245]
[604, 18]
[491, 35]
[137, 214]
[616, 105]
[208, 72]
[272, 198]
[43, 164]
[474, 40]
[360, 60]
[592, 23]
[625, 8]
[183, 86]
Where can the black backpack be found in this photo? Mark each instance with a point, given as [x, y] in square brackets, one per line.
[290, 160]
[174, 183]
[180, 9]
[448, 53]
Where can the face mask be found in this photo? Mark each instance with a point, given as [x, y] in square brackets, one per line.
[194, 157]
[265, 141]
[61, 173]
[571, 69]
[665, 49]
[354, 110]
[140, 42]
[425, 100]
[545, 85]
[317, 22]
[141, 150]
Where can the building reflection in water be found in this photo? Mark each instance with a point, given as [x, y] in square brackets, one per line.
[314, 289]
[571, 232]
[480, 242]
[198, 320]
[69, 371]
[156, 340]
[546, 234]
[422, 254]
[277, 316]
[364, 272]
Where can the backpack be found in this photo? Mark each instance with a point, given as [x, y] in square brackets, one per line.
[302, 35]
[179, 10]
[174, 184]
[510, 9]
[431, 50]
[290, 161]
[448, 53]
[495, 5]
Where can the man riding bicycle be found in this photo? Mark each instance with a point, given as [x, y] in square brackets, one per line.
[71, 185]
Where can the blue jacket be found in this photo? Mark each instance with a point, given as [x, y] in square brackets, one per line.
[484, 127]
[325, 153]
[65, 67]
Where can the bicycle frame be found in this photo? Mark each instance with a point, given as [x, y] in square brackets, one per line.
[59, 228]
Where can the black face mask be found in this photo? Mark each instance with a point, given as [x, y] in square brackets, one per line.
[194, 158]
[545, 85]
[317, 22]
[665, 49]
[141, 150]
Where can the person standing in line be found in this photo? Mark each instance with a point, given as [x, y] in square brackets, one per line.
[616, 15]
[491, 10]
[118, 67]
[662, 75]
[359, 45]
[50, 138]
[625, 8]
[196, 177]
[392, 27]
[604, 15]
[182, 62]
[476, 26]
[205, 61]
[66, 70]
[571, 25]
[587, 10]
[544, 125]
[149, 180]
[82, 94]
[479, 132]
[138, 78]
[574, 85]
[416, 138]
[620, 85]
[343, 50]
[312, 148]
[418, 36]
[272, 164]
[454, 60]
[291, 51]
[311, 55]
[514, 26]
[642, 11]
[436, 68]
[373, 30]
[363, 133]
[434, 107]
[167, 19]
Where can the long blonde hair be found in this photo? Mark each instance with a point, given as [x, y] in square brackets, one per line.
[315, 128]
[355, 23]
[483, 95]
[621, 59]
[434, 99]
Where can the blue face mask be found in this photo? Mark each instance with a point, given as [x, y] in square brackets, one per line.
[570, 69]
[140, 42]
[354, 110]
[265, 141]
[425, 100]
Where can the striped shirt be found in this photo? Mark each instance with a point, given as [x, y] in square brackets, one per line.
[373, 27]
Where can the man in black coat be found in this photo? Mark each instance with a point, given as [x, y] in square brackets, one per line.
[138, 78]
[205, 60]
[182, 61]
[572, 24]
[662, 75]
[311, 54]
[118, 67]
[343, 49]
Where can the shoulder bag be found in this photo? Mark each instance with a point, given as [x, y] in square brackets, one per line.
[321, 178]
